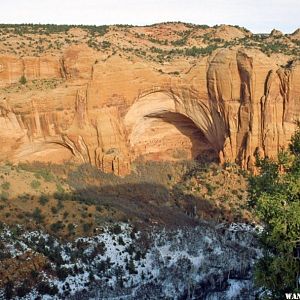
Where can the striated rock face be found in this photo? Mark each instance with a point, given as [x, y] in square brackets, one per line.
[109, 112]
[11, 68]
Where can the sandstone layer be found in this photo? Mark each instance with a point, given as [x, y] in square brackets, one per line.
[111, 111]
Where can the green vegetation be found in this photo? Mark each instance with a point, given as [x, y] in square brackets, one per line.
[87, 227]
[55, 227]
[35, 184]
[37, 215]
[4, 195]
[5, 185]
[47, 29]
[45, 174]
[20, 39]
[180, 42]
[275, 196]
[274, 47]
[106, 44]
[23, 80]
[43, 199]
[195, 51]
[37, 84]
[71, 228]
[184, 191]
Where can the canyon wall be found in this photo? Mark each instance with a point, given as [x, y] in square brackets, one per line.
[110, 112]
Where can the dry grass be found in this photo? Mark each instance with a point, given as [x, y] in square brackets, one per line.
[70, 200]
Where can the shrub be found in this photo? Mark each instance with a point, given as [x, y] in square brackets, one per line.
[24, 197]
[23, 290]
[180, 42]
[116, 229]
[44, 199]
[194, 51]
[55, 227]
[71, 228]
[121, 241]
[62, 273]
[106, 44]
[23, 80]
[37, 215]
[4, 195]
[61, 196]
[35, 184]
[59, 188]
[86, 227]
[131, 267]
[54, 210]
[45, 288]
[5, 185]
[46, 174]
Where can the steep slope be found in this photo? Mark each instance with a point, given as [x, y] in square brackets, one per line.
[110, 106]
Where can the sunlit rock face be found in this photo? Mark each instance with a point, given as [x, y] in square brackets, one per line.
[110, 112]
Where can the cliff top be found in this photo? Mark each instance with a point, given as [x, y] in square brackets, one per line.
[158, 42]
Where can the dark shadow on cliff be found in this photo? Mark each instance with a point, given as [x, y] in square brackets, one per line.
[188, 128]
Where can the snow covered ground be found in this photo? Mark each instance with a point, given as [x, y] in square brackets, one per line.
[204, 262]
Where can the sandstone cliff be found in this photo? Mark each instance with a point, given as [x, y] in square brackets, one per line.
[109, 110]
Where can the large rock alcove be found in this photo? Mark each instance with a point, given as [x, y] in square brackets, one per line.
[161, 128]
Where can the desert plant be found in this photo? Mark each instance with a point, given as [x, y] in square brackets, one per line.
[5, 185]
[35, 184]
[37, 215]
[23, 80]
[44, 199]
[55, 227]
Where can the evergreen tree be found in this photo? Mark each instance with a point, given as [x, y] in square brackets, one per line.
[275, 196]
[23, 80]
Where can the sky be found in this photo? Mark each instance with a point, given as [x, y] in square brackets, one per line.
[259, 16]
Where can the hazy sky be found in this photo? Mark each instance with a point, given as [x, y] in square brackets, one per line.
[256, 15]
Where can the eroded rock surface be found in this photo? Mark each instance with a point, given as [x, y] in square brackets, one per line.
[109, 112]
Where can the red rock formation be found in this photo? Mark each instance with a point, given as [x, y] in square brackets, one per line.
[13, 68]
[109, 112]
